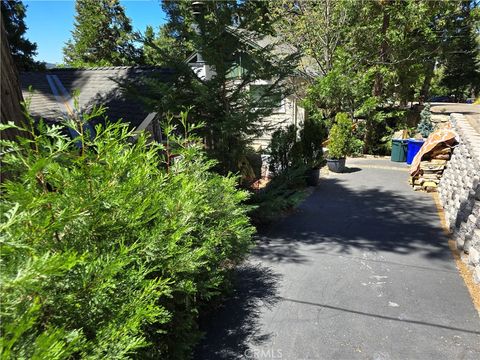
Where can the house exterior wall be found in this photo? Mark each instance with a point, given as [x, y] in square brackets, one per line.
[292, 115]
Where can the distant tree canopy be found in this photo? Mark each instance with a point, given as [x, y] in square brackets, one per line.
[102, 36]
[372, 56]
[461, 56]
[23, 50]
[393, 46]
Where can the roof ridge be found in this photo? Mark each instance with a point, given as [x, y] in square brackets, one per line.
[109, 67]
[101, 68]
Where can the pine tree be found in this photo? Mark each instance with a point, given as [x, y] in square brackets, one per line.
[102, 35]
[225, 34]
[162, 48]
[425, 127]
[22, 49]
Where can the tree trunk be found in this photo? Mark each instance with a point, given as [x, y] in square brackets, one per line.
[425, 90]
[11, 94]
[378, 86]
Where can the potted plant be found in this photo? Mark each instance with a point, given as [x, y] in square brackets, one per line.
[340, 143]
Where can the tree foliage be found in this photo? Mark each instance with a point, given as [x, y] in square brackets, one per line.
[163, 49]
[108, 246]
[226, 37]
[398, 42]
[23, 50]
[461, 53]
[341, 137]
[102, 36]
[316, 27]
[373, 56]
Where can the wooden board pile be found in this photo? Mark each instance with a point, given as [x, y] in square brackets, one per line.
[431, 169]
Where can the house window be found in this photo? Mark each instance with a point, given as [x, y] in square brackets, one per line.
[235, 67]
[258, 93]
[234, 71]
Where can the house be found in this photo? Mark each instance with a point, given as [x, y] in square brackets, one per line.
[50, 93]
[289, 111]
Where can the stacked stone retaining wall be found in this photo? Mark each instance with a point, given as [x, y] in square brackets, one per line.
[459, 192]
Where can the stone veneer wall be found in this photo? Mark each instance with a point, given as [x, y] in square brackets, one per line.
[459, 192]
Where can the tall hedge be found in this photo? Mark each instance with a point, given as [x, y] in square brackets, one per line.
[109, 247]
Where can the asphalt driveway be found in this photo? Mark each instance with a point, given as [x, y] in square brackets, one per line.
[361, 271]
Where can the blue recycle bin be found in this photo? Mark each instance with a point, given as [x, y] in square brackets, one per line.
[413, 147]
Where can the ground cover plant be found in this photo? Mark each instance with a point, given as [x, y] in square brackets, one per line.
[282, 194]
[111, 245]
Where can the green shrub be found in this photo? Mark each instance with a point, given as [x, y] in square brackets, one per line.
[290, 159]
[358, 141]
[281, 194]
[379, 125]
[341, 138]
[312, 135]
[285, 150]
[289, 150]
[108, 248]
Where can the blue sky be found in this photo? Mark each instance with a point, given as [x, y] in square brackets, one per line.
[50, 23]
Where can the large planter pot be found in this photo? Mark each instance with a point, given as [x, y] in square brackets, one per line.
[313, 177]
[336, 165]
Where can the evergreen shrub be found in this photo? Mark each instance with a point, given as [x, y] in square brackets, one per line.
[285, 150]
[111, 245]
[341, 138]
[425, 127]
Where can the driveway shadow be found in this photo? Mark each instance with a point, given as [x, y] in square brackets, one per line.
[338, 220]
[351, 170]
[235, 326]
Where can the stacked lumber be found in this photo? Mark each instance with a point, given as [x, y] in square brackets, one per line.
[431, 169]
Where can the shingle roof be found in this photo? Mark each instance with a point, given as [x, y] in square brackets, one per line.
[277, 46]
[101, 85]
[261, 41]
